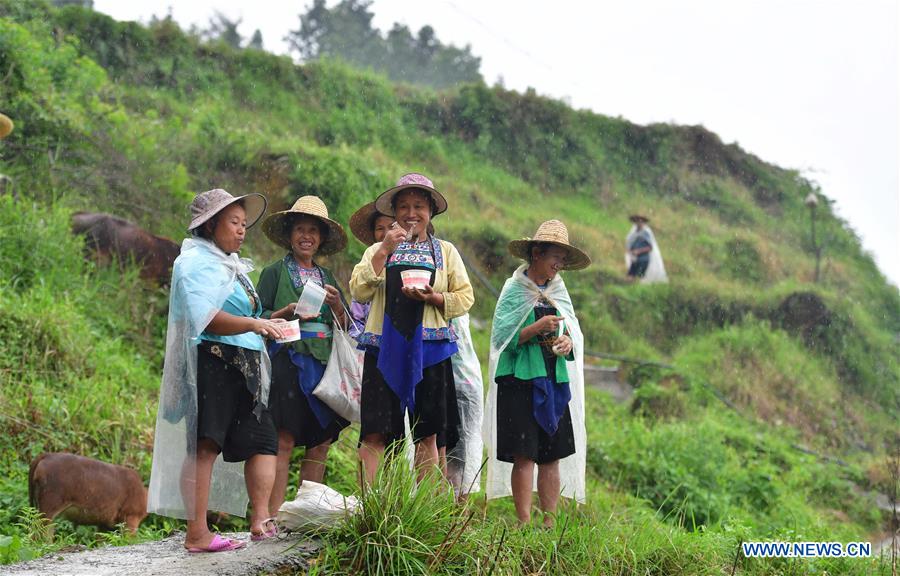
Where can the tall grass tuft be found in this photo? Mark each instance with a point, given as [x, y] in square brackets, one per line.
[400, 527]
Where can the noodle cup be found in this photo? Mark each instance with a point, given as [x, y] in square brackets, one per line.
[417, 279]
[291, 331]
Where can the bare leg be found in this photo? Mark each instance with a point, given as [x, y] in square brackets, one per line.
[198, 534]
[548, 489]
[442, 459]
[259, 474]
[371, 453]
[282, 470]
[426, 455]
[522, 484]
[313, 467]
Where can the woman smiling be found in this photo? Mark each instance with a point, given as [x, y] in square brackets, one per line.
[408, 342]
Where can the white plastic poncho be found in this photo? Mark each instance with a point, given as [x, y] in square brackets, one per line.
[203, 277]
[518, 298]
[656, 269]
[464, 460]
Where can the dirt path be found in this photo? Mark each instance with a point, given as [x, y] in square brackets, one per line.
[168, 558]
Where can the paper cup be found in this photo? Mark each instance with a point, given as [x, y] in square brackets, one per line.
[291, 331]
[415, 278]
[311, 300]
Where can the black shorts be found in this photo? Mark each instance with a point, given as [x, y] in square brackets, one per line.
[435, 411]
[225, 411]
[519, 434]
[290, 408]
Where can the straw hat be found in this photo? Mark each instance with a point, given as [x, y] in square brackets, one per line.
[207, 204]
[552, 232]
[276, 231]
[635, 217]
[407, 181]
[6, 126]
[362, 223]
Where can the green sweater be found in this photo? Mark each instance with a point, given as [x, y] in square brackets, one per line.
[526, 361]
[276, 291]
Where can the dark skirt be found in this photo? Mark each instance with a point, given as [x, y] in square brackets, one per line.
[518, 432]
[290, 408]
[639, 267]
[225, 410]
[435, 409]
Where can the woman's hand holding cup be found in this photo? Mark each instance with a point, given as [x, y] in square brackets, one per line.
[563, 346]
[271, 328]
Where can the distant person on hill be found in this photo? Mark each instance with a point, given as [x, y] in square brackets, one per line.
[642, 256]
[535, 411]
[415, 284]
[215, 390]
[306, 232]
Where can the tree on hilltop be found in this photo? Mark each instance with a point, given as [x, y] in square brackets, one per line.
[346, 32]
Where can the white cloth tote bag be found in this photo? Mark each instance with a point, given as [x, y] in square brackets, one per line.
[341, 384]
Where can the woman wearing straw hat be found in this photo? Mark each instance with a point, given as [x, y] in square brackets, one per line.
[306, 232]
[408, 342]
[536, 397]
[369, 226]
[464, 460]
[215, 388]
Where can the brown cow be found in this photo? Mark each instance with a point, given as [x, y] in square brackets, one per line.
[86, 491]
[110, 236]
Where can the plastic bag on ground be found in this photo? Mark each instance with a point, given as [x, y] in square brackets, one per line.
[315, 506]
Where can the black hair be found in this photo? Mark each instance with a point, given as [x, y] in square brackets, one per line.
[418, 191]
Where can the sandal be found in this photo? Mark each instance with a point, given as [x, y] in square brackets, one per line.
[219, 544]
[269, 533]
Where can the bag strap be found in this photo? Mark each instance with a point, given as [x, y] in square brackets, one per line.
[337, 325]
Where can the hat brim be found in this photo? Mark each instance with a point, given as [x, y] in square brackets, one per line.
[636, 217]
[575, 260]
[383, 202]
[361, 223]
[273, 228]
[6, 126]
[254, 206]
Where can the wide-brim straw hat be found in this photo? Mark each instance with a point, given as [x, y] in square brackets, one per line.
[362, 223]
[551, 232]
[275, 229]
[636, 217]
[207, 204]
[407, 181]
[6, 126]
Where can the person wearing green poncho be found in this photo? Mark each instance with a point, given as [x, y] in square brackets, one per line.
[305, 231]
[535, 408]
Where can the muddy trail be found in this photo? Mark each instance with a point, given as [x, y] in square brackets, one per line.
[288, 555]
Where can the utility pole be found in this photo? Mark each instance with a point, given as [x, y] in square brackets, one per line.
[812, 200]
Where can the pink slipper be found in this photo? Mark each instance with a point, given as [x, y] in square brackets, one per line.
[270, 533]
[219, 544]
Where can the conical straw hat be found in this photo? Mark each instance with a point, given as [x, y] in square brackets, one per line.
[552, 232]
[276, 231]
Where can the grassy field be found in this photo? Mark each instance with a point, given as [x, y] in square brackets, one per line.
[133, 120]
